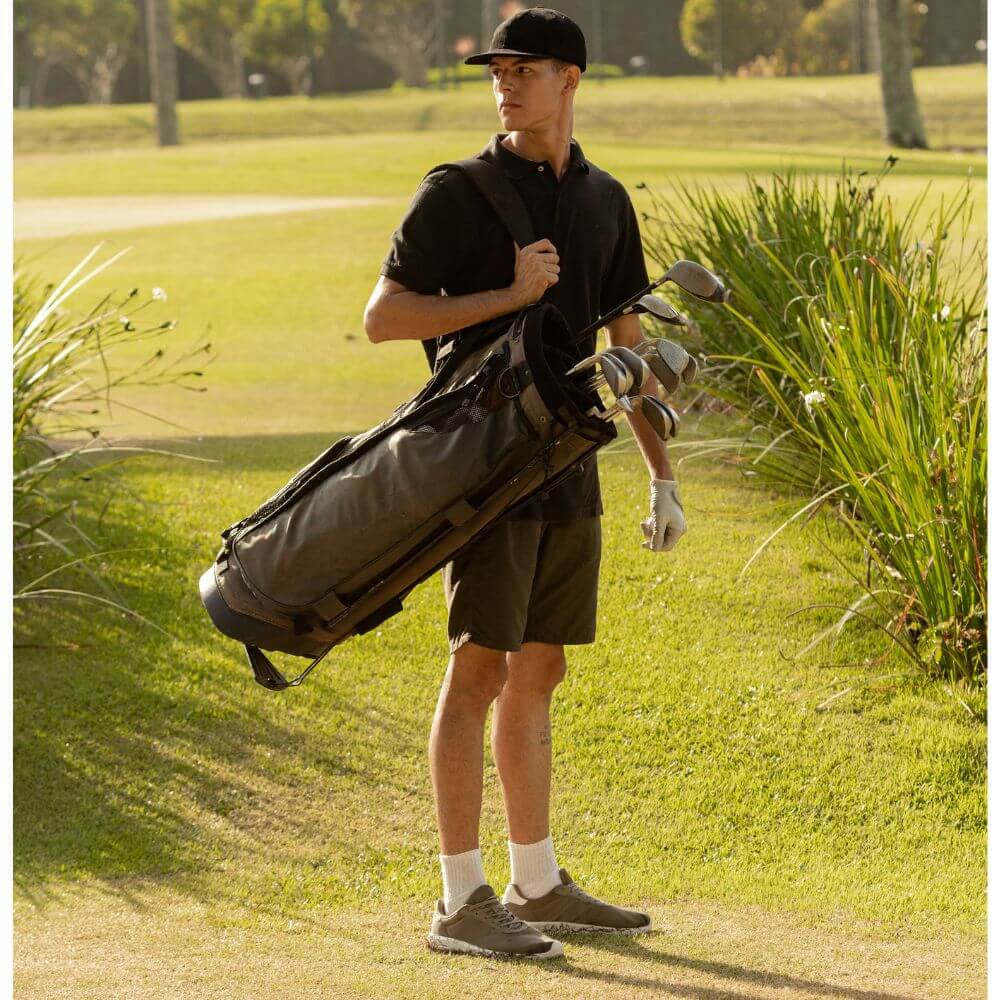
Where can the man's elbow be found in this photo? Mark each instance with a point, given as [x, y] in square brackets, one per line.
[374, 321]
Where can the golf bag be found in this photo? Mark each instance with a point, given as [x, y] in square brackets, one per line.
[337, 549]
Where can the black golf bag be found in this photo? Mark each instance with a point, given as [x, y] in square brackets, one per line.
[336, 550]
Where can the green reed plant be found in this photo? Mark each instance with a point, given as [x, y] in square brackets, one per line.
[67, 369]
[854, 347]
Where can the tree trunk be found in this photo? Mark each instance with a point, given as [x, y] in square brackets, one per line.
[299, 71]
[221, 54]
[39, 81]
[162, 70]
[903, 124]
[402, 38]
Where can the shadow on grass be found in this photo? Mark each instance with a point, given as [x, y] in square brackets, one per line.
[720, 970]
[137, 756]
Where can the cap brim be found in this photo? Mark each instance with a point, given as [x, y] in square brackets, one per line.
[483, 58]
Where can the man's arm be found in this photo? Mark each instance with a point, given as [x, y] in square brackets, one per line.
[395, 312]
[626, 331]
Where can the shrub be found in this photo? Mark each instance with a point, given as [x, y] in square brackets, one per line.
[65, 377]
[856, 352]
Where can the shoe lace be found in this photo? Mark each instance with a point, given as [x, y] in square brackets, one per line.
[574, 890]
[494, 912]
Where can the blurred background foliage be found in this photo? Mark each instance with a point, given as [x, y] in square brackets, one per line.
[94, 51]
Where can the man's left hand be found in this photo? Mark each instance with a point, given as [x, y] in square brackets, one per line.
[665, 523]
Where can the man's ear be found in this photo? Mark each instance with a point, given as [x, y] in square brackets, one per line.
[572, 78]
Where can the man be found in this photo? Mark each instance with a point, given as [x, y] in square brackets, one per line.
[517, 597]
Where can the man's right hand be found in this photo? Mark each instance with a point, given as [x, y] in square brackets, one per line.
[536, 268]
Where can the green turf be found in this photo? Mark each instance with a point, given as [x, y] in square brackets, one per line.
[690, 758]
[836, 111]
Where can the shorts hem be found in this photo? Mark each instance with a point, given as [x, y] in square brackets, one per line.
[455, 643]
[560, 641]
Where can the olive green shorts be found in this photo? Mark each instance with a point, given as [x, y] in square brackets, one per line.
[526, 581]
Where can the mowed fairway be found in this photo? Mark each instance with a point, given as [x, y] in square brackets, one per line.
[180, 832]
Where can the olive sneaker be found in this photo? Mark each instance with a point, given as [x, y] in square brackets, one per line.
[484, 926]
[568, 908]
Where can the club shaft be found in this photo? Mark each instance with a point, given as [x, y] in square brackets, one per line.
[618, 309]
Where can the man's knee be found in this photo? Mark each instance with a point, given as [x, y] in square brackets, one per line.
[538, 668]
[477, 673]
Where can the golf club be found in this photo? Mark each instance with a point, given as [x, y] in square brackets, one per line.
[637, 368]
[659, 309]
[669, 362]
[662, 418]
[613, 373]
[686, 274]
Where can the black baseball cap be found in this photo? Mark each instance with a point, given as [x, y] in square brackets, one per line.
[538, 32]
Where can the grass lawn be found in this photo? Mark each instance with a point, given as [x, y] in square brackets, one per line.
[685, 111]
[157, 785]
[180, 832]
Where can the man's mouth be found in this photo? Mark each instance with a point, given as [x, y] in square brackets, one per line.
[508, 104]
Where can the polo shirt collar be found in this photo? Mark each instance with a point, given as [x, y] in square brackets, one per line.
[516, 166]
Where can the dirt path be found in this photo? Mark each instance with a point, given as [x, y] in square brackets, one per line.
[127, 940]
[37, 218]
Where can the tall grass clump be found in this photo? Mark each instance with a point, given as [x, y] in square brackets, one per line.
[855, 350]
[67, 368]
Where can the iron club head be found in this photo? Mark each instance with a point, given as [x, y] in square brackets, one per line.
[669, 362]
[637, 368]
[662, 418]
[697, 281]
[612, 371]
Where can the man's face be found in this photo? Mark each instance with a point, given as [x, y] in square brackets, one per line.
[530, 93]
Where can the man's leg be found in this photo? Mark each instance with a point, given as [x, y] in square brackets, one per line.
[475, 677]
[470, 918]
[522, 749]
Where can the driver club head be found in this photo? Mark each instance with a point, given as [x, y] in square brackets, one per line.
[697, 281]
[659, 309]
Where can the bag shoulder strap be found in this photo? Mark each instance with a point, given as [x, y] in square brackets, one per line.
[495, 186]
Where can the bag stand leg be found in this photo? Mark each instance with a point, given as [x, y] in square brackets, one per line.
[268, 675]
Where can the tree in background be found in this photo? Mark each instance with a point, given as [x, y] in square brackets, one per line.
[751, 29]
[904, 125]
[217, 34]
[840, 36]
[828, 38]
[399, 31]
[91, 38]
[289, 35]
[162, 69]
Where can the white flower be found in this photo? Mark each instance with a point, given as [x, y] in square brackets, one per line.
[159, 294]
[812, 399]
[943, 314]
[125, 321]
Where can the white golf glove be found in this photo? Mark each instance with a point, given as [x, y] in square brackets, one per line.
[665, 523]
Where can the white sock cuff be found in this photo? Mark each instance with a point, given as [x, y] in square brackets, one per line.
[532, 865]
[461, 873]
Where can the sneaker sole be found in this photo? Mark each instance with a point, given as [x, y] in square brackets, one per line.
[563, 927]
[437, 942]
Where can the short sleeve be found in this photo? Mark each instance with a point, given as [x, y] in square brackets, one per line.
[626, 272]
[426, 248]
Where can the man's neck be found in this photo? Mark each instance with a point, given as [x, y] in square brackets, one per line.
[551, 145]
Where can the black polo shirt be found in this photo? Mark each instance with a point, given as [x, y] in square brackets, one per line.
[451, 239]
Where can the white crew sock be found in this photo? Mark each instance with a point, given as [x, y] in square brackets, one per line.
[462, 873]
[533, 867]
